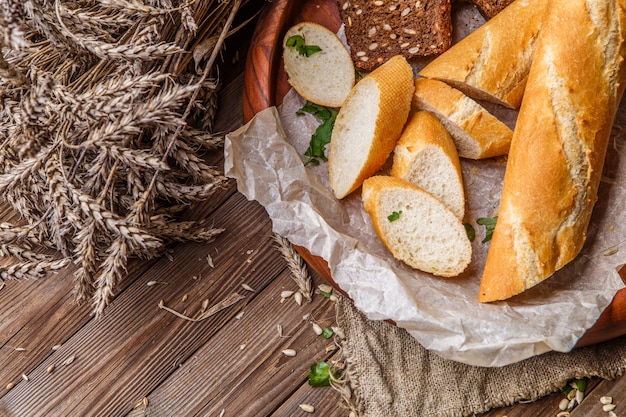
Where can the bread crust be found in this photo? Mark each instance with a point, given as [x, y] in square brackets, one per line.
[421, 132]
[492, 63]
[394, 81]
[558, 148]
[486, 135]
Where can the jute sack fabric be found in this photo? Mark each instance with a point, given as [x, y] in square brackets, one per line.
[390, 374]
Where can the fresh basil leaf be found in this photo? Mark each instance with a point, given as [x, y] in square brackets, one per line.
[327, 333]
[490, 225]
[319, 376]
[471, 233]
[394, 216]
[321, 136]
[298, 42]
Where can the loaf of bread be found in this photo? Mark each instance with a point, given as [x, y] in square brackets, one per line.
[426, 156]
[416, 227]
[476, 132]
[369, 124]
[553, 172]
[323, 75]
[378, 30]
[492, 63]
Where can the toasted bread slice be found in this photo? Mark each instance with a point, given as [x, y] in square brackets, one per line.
[369, 124]
[477, 133]
[417, 228]
[426, 156]
[324, 77]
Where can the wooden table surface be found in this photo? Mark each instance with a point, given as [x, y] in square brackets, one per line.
[139, 360]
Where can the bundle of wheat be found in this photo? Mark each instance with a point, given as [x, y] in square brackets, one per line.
[105, 108]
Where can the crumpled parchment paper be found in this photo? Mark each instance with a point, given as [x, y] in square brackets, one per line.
[266, 158]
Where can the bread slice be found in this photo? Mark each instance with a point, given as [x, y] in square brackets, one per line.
[369, 124]
[477, 133]
[378, 30]
[490, 8]
[492, 63]
[425, 234]
[555, 166]
[325, 77]
[426, 156]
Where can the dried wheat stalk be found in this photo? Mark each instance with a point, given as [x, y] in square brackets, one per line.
[104, 119]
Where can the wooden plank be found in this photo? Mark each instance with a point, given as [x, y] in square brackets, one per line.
[242, 369]
[128, 352]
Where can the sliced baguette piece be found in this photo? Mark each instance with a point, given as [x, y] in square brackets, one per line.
[555, 165]
[325, 77]
[477, 133]
[492, 63]
[369, 124]
[426, 235]
[426, 156]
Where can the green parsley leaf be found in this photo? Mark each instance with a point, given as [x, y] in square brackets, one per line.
[471, 233]
[298, 42]
[490, 225]
[566, 389]
[326, 294]
[581, 384]
[327, 333]
[394, 216]
[320, 374]
[321, 136]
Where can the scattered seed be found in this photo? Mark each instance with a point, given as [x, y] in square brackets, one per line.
[608, 407]
[69, 360]
[289, 352]
[247, 287]
[19, 349]
[571, 404]
[563, 404]
[286, 294]
[239, 315]
[307, 408]
[242, 347]
[330, 348]
[185, 297]
[612, 414]
[606, 400]
[338, 332]
[579, 396]
[279, 328]
[333, 298]
[50, 369]
[209, 260]
[306, 317]
[317, 329]
[610, 251]
[571, 395]
[25, 377]
[161, 304]
[205, 304]
[298, 297]
[56, 347]
[145, 401]
[10, 385]
[223, 412]
[563, 414]
[152, 283]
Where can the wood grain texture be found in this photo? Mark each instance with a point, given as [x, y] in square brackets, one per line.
[266, 84]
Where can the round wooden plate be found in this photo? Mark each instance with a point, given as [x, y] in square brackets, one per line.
[265, 85]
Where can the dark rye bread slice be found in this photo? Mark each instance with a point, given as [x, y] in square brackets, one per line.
[490, 8]
[376, 30]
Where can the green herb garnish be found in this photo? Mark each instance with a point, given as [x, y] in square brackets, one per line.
[320, 374]
[327, 333]
[490, 225]
[298, 42]
[471, 233]
[394, 216]
[321, 136]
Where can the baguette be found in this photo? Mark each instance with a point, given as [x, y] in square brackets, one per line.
[550, 186]
[425, 234]
[426, 156]
[325, 77]
[492, 63]
[369, 124]
[477, 133]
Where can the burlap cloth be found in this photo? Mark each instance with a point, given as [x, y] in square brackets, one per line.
[390, 374]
